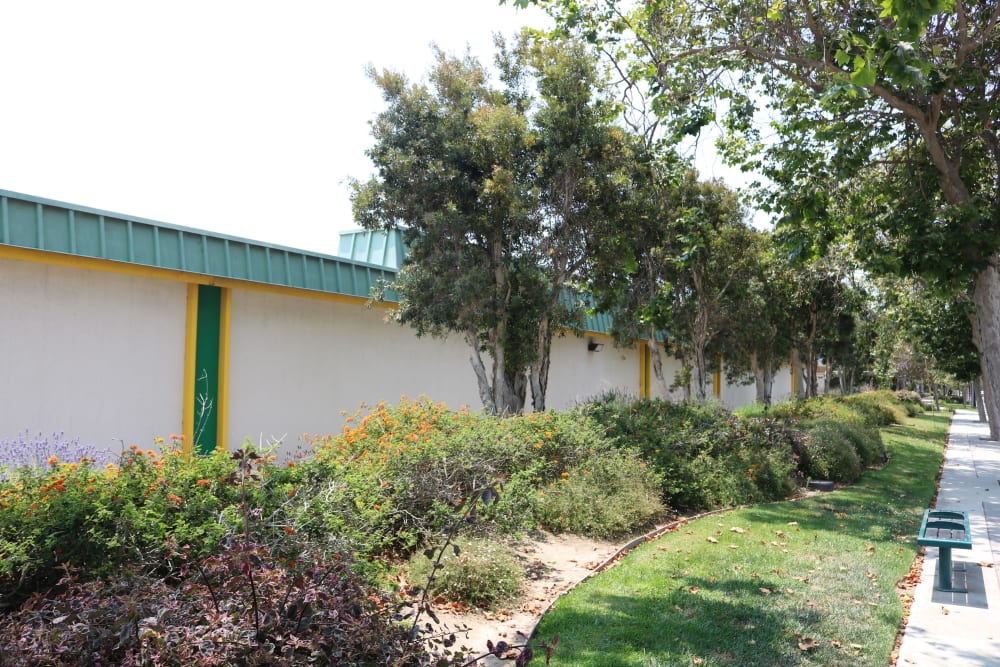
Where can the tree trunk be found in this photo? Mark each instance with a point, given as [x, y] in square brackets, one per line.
[977, 400]
[540, 369]
[763, 375]
[798, 374]
[476, 359]
[986, 296]
[657, 361]
[700, 373]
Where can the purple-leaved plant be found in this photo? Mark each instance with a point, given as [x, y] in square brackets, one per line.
[27, 451]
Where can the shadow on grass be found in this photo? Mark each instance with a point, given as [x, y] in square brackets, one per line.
[656, 620]
[671, 626]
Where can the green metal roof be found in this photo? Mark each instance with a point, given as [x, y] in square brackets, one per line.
[365, 256]
[381, 248]
[52, 226]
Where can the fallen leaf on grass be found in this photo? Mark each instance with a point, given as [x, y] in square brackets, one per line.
[807, 644]
[712, 540]
[793, 523]
[857, 647]
[765, 591]
[737, 529]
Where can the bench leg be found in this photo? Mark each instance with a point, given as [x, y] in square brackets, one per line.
[944, 568]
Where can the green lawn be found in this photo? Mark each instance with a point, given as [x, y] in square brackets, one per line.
[810, 582]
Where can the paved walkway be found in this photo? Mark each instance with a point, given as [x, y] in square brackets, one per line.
[962, 629]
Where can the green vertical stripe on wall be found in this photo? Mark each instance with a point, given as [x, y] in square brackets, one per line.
[206, 371]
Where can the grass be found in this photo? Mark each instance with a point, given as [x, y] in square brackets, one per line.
[809, 582]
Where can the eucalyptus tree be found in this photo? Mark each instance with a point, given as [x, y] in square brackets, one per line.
[899, 98]
[497, 190]
[761, 338]
[823, 308]
[712, 273]
[631, 269]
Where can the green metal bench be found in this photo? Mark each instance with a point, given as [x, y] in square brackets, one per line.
[946, 531]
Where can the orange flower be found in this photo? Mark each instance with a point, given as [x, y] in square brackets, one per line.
[203, 482]
[174, 498]
[53, 460]
[289, 530]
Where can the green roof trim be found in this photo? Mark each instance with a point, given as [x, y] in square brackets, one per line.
[380, 248]
[52, 226]
[366, 257]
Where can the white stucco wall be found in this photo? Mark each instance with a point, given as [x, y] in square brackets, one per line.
[671, 366]
[576, 374]
[296, 363]
[96, 355]
[737, 395]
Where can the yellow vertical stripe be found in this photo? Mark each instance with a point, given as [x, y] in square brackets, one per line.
[791, 364]
[645, 359]
[190, 348]
[225, 320]
[717, 380]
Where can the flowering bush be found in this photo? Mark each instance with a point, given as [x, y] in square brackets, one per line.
[101, 518]
[395, 473]
[39, 451]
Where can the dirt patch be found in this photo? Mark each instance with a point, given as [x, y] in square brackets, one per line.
[553, 564]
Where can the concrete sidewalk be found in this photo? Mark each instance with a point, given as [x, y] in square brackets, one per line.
[962, 629]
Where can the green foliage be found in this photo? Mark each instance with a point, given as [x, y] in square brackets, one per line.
[705, 456]
[496, 190]
[479, 572]
[396, 473]
[830, 451]
[608, 495]
[735, 588]
[880, 408]
[69, 513]
[260, 609]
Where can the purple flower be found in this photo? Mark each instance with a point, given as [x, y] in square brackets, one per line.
[27, 452]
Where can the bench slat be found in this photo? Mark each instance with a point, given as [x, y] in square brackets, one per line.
[943, 528]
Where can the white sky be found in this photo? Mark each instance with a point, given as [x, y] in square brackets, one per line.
[235, 116]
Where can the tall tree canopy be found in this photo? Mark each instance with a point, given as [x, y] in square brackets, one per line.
[897, 101]
[498, 190]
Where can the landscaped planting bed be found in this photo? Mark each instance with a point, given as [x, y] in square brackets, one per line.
[247, 557]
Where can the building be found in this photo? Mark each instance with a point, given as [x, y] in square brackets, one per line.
[120, 329]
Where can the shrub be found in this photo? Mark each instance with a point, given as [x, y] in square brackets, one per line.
[607, 495]
[705, 456]
[480, 572]
[879, 408]
[829, 452]
[100, 520]
[320, 614]
[395, 473]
